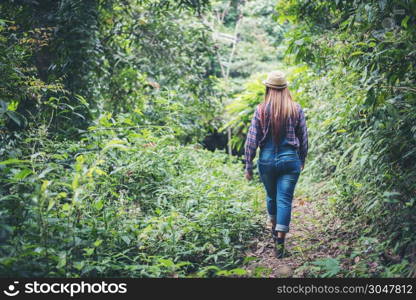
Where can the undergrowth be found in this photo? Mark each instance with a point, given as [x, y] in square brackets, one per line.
[122, 203]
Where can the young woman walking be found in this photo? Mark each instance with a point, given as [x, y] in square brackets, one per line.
[279, 129]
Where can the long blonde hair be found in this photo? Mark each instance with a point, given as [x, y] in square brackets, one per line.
[282, 108]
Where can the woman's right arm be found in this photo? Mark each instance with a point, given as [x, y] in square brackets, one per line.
[302, 135]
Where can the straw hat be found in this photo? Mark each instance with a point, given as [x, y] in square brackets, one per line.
[276, 79]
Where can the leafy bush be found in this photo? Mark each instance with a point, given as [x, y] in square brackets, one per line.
[122, 204]
[359, 90]
[63, 63]
[241, 110]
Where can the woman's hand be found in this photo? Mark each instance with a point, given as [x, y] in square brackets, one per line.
[301, 167]
[248, 175]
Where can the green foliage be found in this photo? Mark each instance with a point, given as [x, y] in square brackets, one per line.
[122, 203]
[241, 110]
[245, 36]
[329, 266]
[19, 85]
[117, 55]
[98, 184]
[360, 97]
[102, 104]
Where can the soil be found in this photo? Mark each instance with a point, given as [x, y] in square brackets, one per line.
[307, 241]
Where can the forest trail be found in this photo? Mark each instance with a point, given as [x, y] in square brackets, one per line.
[309, 240]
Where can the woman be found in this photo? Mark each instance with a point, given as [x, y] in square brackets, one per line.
[279, 129]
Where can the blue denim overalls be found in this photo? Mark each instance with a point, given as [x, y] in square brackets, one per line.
[279, 169]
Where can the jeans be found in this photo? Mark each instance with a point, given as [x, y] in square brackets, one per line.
[279, 171]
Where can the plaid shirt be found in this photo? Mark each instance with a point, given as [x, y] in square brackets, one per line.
[296, 135]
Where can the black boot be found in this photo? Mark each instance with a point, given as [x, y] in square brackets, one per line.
[279, 248]
[274, 232]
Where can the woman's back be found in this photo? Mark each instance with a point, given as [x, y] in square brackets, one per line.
[271, 149]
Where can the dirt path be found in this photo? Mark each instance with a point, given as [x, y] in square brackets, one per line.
[305, 242]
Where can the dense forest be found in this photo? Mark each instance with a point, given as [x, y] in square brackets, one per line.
[122, 125]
